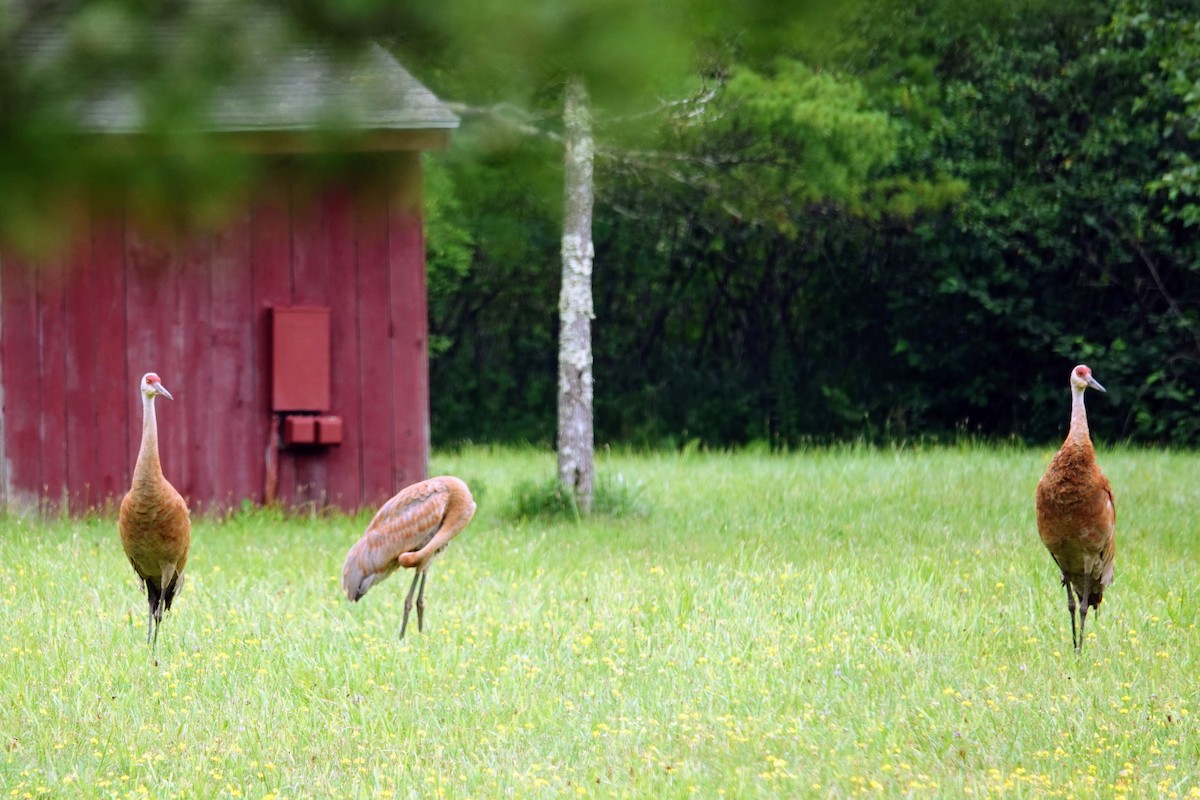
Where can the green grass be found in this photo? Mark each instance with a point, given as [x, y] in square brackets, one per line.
[832, 623]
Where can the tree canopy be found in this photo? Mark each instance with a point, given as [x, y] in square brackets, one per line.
[912, 226]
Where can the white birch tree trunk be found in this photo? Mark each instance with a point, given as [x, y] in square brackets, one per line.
[576, 443]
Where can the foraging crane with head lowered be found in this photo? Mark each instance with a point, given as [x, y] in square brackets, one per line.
[408, 531]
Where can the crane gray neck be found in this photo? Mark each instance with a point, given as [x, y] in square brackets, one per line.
[1079, 425]
[147, 461]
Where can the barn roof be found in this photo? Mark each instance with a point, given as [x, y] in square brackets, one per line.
[308, 88]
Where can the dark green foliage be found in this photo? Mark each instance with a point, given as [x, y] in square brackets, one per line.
[494, 327]
[1004, 192]
[1059, 254]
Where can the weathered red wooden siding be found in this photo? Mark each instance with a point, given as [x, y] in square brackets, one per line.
[81, 372]
[109, 413]
[232, 331]
[77, 332]
[22, 379]
[410, 321]
[306, 479]
[374, 368]
[345, 461]
[52, 357]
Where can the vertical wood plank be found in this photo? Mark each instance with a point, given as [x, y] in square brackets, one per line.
[410, 355]
[271, 268]
[199, 418]
[310, 270]
[237, 413]
[310, 255]
[375, 368]
[52, 359]
[345, 464]
[115, 388]
[149, 306]
[173, 415]
[82, 377]
[22, 386]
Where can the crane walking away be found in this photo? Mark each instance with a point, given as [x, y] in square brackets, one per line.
[155, 526]
[408, 531]
[1076, 512]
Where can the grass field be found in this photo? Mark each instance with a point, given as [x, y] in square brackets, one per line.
[831, 623]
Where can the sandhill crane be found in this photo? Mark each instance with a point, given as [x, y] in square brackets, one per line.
[1076, 512]
[156, 529]
[408, 531]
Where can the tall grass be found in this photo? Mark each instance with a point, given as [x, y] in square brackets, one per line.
[830, 623]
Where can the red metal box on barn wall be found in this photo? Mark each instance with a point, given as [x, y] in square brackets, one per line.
[300, 359]
[299, 430]
[329, 430]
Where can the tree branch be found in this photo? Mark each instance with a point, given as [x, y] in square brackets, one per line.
[509, 115]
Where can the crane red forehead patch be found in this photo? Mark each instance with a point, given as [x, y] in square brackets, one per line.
[152, 378]
[1082, 371]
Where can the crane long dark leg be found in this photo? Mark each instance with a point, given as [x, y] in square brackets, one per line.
[161, 599]
[1071, 609]
[1083, 607]
[158, 615]
[154, 600]
[421, 604]
[408, 601]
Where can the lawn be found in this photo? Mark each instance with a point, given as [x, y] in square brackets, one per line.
[827, 623]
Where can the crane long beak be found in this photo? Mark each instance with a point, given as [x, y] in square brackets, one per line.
[1092, 382]
[160, 389]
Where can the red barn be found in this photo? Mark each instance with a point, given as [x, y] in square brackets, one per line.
[293, 339]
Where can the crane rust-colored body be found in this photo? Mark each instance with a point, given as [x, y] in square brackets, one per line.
[155, 526]
[408, 531]
[1076, 512]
